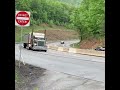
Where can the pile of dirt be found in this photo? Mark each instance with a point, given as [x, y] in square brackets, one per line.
[92, 43]
[27, 74]
[54, 35]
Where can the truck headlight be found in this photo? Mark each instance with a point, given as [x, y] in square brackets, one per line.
[35, 44]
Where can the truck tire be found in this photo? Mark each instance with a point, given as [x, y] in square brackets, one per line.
[45, 50]
[24, 45]
[33, 49]
[29, 48]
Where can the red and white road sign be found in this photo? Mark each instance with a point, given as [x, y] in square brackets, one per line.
[22, 18]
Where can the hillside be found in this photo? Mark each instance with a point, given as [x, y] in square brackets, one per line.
[54, 33]
[61, 16]
[57, 33]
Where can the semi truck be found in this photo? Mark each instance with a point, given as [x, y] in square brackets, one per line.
[35, 41]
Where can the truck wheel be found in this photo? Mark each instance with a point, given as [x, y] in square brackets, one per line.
[33, 49]
[45, 50]
[29, 48]
[24, 45]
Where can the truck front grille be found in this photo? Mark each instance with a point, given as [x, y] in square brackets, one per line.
[40, 43]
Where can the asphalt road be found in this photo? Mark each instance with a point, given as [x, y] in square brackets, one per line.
[90, 67]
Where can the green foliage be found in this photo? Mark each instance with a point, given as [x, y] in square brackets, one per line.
[51, 23]
[89, 18]
[75, 45]
[70, 26]
[17, 77]
[43, 11]
[57, 23]
[72, 2]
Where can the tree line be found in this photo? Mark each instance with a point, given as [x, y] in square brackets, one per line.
[88, 19]
[46, 11]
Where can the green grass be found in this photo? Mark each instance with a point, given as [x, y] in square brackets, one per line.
[17, 78]
[75, 45]
[36, 88]
[26, 30]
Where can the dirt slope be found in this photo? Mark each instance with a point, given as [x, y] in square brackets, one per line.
[60, 34]
[92, 43]
[27, 74]
[55, 35]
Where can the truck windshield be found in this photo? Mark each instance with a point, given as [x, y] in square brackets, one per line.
[39, 38]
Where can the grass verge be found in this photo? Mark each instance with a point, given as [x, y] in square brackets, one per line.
[75, 45]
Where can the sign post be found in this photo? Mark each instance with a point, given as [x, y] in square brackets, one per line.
[22, 19]
[20, 47]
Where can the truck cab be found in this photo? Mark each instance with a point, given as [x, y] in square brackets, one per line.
[35, 41]
[39, 43]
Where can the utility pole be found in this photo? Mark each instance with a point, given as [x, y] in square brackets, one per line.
[44, 30]
[45, 33]
[20, 47]
[32, 35]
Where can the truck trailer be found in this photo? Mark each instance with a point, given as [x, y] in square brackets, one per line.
[35, 41]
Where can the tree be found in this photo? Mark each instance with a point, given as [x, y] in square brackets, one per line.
[89, 18]
[43, 11]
